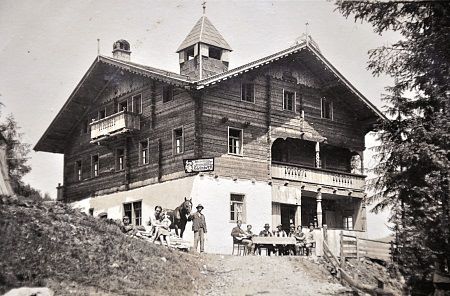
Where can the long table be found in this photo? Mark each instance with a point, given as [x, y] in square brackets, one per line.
[273, 240]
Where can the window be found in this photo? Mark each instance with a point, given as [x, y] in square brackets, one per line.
[94, 166]
[78, 170]
[102, 113]
[234, 141]
[91, 212]
[248, 92]
[288, 100]
[215, 53]
[85, 127]
[137, 104]
[120, 159]
[348, 222]
[167, 93]
[122, 106]
[133, 211]
[237, 208]
[178, 141]
[327, 108]
[143, 154]
[189, 53]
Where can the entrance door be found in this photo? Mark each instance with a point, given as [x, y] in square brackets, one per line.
[287, 216]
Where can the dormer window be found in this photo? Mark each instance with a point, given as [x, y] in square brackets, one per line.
[215, 53]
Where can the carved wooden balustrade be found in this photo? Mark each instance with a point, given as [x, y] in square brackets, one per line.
[115, 124]
[317, 176]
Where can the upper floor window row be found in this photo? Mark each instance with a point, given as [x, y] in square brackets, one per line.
[133, 104]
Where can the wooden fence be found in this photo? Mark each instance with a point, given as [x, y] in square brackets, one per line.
[355, 247]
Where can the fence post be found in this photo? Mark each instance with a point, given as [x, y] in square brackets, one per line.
[357, 256]
[342, 249]
[357, 247]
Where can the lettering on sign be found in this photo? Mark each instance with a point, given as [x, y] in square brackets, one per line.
[198, 165]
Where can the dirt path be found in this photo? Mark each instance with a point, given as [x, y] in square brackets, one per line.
[262, 275]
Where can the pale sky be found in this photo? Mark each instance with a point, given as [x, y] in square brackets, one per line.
[48, 45]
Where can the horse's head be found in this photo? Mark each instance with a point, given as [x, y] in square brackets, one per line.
[186, 206]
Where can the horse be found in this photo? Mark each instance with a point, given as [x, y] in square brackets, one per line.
[179, 216]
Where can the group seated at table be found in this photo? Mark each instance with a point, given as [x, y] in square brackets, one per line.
[304, 241]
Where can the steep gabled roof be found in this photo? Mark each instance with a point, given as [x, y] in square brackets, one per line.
[104, 69]
[283, 54]
[100, 73]
[158, 74]
[204, 32]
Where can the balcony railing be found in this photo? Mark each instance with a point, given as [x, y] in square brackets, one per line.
[115, 124]
[317, 176]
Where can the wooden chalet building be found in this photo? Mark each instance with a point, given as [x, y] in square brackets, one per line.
[286, 133]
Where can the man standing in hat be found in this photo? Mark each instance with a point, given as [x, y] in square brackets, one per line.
[199, 228]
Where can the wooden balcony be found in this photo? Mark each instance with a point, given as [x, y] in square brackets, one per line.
[114, 125]
[318, 176]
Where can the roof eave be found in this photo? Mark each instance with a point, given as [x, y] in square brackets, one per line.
[347, 83]
[72, 95]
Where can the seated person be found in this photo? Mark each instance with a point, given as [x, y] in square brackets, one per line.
[249, 231]
[266, 233]
[155, 223]
[240, 236]
[310, 239]
[164, 230]
[126, 227]
[282, 249]
[300, 238]
[280, 232]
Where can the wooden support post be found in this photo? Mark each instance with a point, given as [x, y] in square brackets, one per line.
[317, 155]
[153, 104]
[342, 249]
[361, 156]
[159, 153]
[357, 248]
[319, 209]
[357, 256]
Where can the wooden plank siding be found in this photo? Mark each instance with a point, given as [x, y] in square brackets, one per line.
[223, 108]
[205, 116]
[158, 120]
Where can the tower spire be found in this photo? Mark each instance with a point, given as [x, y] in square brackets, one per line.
[307, 32]
[204, 7]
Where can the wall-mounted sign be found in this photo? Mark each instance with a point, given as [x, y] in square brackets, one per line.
[198, 165]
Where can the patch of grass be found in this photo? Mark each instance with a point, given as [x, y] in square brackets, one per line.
[51, 244]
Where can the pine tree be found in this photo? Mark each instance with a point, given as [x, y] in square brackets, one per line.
[413, 169]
